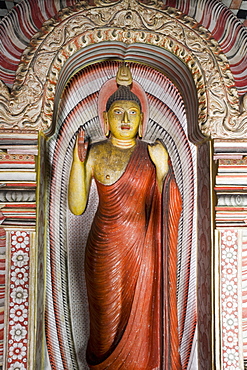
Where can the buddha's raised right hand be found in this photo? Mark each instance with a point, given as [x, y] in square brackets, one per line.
[79, 181]
[81, 146]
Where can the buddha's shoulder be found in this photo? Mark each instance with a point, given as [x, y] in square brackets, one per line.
[97, 149]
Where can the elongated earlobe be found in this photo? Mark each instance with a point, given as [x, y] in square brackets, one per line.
[140, 128]
[106, 124]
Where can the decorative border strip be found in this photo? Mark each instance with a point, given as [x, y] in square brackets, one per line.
[17, 336]
[2, 286]
[229, 270]
[244, 291]
[203, 242]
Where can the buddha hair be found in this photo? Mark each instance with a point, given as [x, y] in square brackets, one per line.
[124, 82]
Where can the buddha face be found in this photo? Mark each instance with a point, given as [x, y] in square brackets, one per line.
[124, 118]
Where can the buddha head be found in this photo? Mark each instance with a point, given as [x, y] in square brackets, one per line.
[123, 116]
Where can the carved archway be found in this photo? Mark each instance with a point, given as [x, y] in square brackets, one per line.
[163, 38]
[218, 107]
[213, 15]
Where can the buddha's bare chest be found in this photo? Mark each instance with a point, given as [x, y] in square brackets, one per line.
[109, 165]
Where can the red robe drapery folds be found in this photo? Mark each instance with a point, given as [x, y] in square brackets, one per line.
[130, 274]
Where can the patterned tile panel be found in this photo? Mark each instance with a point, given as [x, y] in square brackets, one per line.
[231, 326]
[244, 291]
[17, 346]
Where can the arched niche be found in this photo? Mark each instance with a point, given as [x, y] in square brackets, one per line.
[76, 107]
[154, 56]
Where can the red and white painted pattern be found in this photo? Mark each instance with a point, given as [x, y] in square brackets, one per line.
[19, 26]
[225, 28]
[229, 270]
[17, 337]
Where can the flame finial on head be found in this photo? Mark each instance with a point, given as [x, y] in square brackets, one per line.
[124, 76]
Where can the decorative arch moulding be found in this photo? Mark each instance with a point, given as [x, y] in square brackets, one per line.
[29, 15]
[31, 103]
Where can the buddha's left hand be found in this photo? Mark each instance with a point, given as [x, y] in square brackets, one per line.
[159, 157]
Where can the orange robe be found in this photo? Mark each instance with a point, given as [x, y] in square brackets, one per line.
[124, 272]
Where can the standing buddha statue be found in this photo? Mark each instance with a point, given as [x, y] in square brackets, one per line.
[130, 257]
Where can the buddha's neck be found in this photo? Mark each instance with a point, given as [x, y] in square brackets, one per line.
[124, 144]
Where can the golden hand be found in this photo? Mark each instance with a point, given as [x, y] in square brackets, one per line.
[159, 157]
[158, 154]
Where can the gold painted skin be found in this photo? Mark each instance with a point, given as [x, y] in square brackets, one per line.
[107, 160]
